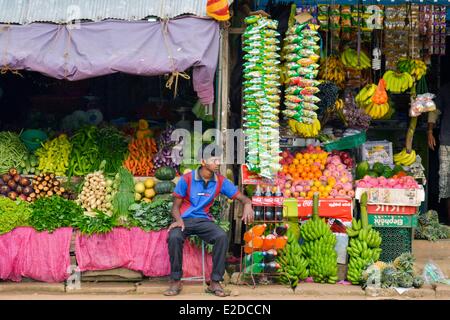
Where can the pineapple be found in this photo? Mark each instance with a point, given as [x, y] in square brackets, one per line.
[380, 265]
[418, 281]
[388, 276]
[405, 262]
[404, 279]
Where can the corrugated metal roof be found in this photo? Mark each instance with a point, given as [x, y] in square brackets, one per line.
[63, 11]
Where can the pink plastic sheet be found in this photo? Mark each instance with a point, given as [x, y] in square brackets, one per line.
[41, 256]
[137, 250]
[94, 49]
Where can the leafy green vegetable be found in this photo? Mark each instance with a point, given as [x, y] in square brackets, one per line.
[88, 225]
[124, 198]
[13, 214]
[152, 216]
[112, 147]
[54, 212]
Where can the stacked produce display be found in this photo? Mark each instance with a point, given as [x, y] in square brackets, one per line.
[301, 51]
[261, 96]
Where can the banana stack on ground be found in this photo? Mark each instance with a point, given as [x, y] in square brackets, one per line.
[318, 247]
[364, 100]
[350, 59]
[307, 130]
[398, 82]
[332, 69]
[293, 267]
[404, 158]
[415, 67]
[364, 246]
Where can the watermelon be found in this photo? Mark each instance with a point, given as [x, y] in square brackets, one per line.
[164, 187]
[361, 169]
[165, 173]
[387, 173]
[378, 167]
[397, 169]
[372, 174]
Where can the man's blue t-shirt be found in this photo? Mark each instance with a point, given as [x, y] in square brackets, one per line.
[198, 196]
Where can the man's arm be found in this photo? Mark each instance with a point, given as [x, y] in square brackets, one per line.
[432, 118]
[176, 214]
[248, 213]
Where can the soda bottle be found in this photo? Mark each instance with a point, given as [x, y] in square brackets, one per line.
[278, 205]
[259, 210]
[271, 267]
[255, 268]
[256, 243]
[270, 256]
[269, 242]
[280, 242]
[269, 213]
[255, 257]
[281, 230]
[255, 231]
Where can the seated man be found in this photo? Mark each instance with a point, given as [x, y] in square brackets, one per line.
[193, 196]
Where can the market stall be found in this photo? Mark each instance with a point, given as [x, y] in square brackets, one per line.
[316, 87]
[107, 181]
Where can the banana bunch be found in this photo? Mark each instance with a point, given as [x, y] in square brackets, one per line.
[364, 246]
[318, 247]
[349, 58]
[404, 158]
[333, 70]
[293, 267]
[377, 111]
[306, 130]
[398, 82]
[364, 100]
[339, 105]
[415, 67]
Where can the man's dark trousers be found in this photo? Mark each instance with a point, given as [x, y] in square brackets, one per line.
[209, 232]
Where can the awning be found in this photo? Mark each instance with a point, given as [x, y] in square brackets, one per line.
[101, 48]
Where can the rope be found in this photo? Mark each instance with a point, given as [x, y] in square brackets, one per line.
[175, 73]
[5, 67]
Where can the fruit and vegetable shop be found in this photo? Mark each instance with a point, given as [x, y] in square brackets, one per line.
[337, 102]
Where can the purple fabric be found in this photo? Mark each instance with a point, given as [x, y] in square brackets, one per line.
[137, 250]
[100, 48]
[25, 252]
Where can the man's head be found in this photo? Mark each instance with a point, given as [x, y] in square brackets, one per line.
[210, 156]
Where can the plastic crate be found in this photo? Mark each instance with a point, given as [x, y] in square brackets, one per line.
[395, 242]
[348, 142]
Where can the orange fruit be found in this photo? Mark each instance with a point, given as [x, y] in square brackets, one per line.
[296, 175]
[303, 161]
[321, 189]
[300, 168]
[299, 156]
[306, 156]
[310, 176]
[304, 175]
[326, 194]
[310, 161]
[328, 188]
[314, 156]
[314, 188]
[310, 194]
[285, 169]
[317, 184]
[295, 161]
[317, 174]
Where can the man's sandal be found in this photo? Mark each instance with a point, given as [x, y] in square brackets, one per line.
[174, 290]
[218, 292]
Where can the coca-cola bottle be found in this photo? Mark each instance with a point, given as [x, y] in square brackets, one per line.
[258, 209]
[271, 267]
[278, 203]
[269, 213]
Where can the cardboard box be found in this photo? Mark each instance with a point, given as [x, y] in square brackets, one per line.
[331, 208]
[249, 177]
[388, 196]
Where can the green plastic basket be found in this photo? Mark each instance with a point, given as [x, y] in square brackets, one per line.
[345, 143]
[33, 138]
[395, 242]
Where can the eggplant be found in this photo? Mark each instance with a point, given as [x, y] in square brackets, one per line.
[12, 172]
[6, 178]
[12, 195]
[24, 182]
[27, 190]
[16, 178]
[12, 184]
[19, 189]
[4, 189]
[2, 182]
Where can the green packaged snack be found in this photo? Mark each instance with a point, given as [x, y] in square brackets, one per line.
[253, 125]
[251, 118]
[252, 19]
[252, 111]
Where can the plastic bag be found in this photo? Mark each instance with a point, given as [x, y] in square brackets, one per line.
[432, 274]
